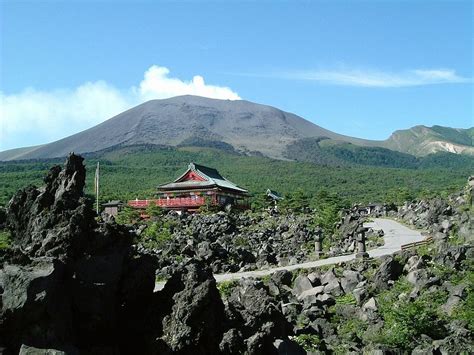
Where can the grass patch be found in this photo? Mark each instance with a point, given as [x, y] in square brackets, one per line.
[406, 319]
[225, 287]
[309, 342]
[352, 330]
[161, 278]
[5, 239]
[346, 299]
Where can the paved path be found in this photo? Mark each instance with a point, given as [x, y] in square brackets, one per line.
[395, 235]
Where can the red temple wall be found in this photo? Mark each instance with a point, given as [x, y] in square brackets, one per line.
[191, 176]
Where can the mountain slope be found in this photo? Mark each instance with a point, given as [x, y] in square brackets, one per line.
[244, 127]
[17, 153]
[422, 140]
[134, 172]
[247, 126]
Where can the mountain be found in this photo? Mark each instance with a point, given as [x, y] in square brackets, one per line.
[422, 140]
[248, 127]
[243, 127]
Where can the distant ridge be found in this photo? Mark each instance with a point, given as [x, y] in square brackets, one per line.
[242, 126]
[422, 140]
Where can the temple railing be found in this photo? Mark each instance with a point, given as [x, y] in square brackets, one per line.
[184, 202]
[170, 202]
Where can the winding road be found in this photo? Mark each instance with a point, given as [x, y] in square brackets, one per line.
[395, 235]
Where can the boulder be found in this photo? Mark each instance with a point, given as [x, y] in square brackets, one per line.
[30, 350]
[70, 280]
[311, 292]
[334, 288]
[314, 278]
[193, 312]
[232, 342]
[350, 280]
[53, 220]
[328, 276]
[368, 311]
[360, 293]
[414, 262]
[326, 299]
[370, 305]
[264, 322]
[288, 347]
[418, 277]
[389, 270]
[34, 303]
[450, 305]
[282, 277]
[452, 256]
[301, 284]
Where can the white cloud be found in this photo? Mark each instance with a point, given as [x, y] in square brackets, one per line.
[158, 85]
[58, 113]
[373, 78]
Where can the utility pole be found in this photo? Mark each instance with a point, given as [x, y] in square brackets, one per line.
[97, 187]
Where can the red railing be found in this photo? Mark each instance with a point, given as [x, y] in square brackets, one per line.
[171, 202]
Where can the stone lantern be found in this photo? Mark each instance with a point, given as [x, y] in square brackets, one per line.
[361, 251]
[318, 242]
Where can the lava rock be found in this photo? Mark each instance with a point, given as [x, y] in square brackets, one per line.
[194, 313]
[389, 270]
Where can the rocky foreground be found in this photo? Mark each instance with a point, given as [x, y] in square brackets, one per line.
[76, 286]
[243, 241]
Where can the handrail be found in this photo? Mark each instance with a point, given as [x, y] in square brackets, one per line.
[178, 202]
[172, 202]
[417, 244]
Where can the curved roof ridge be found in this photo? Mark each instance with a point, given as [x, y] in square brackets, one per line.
[211, 175]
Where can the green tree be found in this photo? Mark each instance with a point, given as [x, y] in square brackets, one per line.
[327, 207]
[297, 201]
[153, 210]
[260, 201]
[127, 215]
[399, 195]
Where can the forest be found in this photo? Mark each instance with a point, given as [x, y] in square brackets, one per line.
[135, 171]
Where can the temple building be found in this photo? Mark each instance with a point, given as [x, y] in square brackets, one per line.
[197, 187]
[112, 208]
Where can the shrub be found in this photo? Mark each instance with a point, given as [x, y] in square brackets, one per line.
[352, 329]
[5, 237]
[241, 241]
[465, 311]
[127, 216]
[405, 320]
[309, 342]
[225, 287]
[153, 210]
[346, 299]
[157, 234]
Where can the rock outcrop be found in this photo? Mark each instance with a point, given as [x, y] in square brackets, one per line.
[442, 218]
[192, 312]
[68, 282]
[72, 285]
[232, 242]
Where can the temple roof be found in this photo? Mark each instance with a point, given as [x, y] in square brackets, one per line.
[112, 203]
[274, 195]
[211, 178]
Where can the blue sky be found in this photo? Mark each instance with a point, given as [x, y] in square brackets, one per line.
[361, 68]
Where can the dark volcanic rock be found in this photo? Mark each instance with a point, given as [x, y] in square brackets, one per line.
[32, 306]
[193, 312]
[252, 309]
[54, 220]
[70, 282]
[389, 270]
